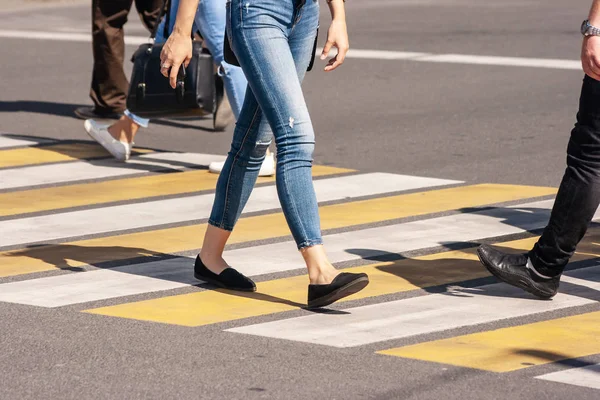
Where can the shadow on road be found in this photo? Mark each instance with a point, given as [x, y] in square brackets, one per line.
[40, 107]
[69, 257]
[555, 358]
[432, 275]
[68, 110]
[61, 256]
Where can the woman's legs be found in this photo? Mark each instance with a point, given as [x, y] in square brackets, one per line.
[259, 32]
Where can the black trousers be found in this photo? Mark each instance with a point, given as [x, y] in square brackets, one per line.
[109, 83]
[579, 193]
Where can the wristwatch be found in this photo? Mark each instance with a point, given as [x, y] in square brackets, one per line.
[588, 29]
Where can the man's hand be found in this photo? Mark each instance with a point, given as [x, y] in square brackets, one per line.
[176, 51]
[590, 56]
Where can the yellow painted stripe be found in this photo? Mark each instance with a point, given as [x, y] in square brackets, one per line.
[514, 348]
[171, 240]
[54, 153]
[214, 306]
[55, 198]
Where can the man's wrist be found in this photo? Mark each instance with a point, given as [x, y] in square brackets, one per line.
[589, 29]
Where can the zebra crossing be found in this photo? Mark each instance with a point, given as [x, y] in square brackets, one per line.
[79, 229]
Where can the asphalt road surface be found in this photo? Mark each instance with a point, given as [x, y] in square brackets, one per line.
[419, 158]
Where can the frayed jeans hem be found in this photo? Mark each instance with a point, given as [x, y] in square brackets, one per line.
[220, 225]
[310, 243]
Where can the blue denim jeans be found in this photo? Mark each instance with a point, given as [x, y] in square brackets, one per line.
[273, 41]
[210, 22]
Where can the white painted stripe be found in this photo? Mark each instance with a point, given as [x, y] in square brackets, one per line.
[382, 54]
[502, 61]
[82, 287]
[459, 307]
[63, 36]
[99, 169]
[6, 141]
[373, 242]
[353, 53]
[586, 376]
[142, 215]
[100, 285]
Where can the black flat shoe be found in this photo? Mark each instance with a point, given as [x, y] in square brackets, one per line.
[512, 269]
[344, 285]
[228, 279]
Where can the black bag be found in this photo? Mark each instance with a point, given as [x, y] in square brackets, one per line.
[150, 94]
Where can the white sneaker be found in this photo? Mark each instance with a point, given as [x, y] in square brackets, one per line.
[98, 132]
[266, 169]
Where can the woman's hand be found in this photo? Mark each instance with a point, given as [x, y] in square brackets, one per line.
[337, 36]
[176, 51]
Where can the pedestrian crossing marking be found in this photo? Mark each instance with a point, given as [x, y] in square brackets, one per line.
[144, 215]
[214, 306]
[451, 308]
[106, 181]
[154, 276]
[172, 240]
[514, 348]
[54, 153]
[588, 376]
[8, 140]
[87, 194]
[80, 171]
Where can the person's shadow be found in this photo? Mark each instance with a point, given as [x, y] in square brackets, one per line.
[68, 110]
[440, 275]
[69, 257]
[40, 107]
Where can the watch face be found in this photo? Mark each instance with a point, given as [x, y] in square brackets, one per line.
[584, 27]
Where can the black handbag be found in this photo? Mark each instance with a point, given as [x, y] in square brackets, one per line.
[150, 94]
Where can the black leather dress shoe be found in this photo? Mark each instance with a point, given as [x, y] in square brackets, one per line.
[228, 279]
[344, 285]
[512, 269]
[92, 113]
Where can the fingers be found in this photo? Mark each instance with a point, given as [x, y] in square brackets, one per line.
[589, 72]
[337, 60]
[175, 52]
[595, 67]
[328, 45]
[591, 66]
[173, 74]
[164, 69]
[166, 61]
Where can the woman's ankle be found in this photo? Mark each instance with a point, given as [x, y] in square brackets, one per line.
[213, 262]
[320, 270]
[322, 275]
[124, 130]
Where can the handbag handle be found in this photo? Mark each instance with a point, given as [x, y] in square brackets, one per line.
[180, 88]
